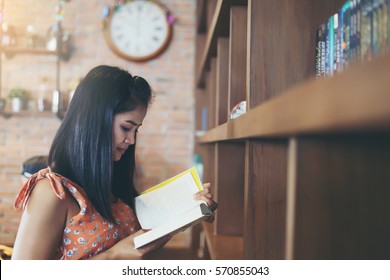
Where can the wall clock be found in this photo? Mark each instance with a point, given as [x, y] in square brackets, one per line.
[138, 30]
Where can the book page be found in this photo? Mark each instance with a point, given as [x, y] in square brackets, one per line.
[191, 217]
[169, 200]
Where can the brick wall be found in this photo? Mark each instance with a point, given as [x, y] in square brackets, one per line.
[165, 141]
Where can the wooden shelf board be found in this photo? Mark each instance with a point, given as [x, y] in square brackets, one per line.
[25, 113]
[19, 50]
[356, 100]
[219, 28]
[223, 247]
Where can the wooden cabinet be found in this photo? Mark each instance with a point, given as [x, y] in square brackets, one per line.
[305, 173]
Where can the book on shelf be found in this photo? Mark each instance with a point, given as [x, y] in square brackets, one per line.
[330, 47]
[345, 20]
[366, 31]
[170, 207]
[357, 32]
[320, 50]
[336, 42]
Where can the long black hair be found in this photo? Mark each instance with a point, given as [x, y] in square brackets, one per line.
[82, 147]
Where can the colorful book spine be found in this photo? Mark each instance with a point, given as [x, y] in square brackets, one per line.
[383, 21]
[323, 49]
[359, 31]
[330, 47]
[352, 32]
[370, 4]
[387, 12]
[377, 27]
[345, 22]
[366, 31]
[337, 42]
[358, 39]
[320, 51]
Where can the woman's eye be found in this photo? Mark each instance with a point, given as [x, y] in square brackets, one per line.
[125, 129]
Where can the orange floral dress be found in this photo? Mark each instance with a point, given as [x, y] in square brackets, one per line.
[87, 233]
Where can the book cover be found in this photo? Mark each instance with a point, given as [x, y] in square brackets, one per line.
[170, 207]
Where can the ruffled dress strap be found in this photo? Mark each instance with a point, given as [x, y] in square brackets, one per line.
[55, 183]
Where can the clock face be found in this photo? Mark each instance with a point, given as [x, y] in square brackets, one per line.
[138, 30]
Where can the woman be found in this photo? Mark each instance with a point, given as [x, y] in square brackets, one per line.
[81, 206]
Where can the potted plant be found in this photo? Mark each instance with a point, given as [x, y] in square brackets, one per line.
[18, 97]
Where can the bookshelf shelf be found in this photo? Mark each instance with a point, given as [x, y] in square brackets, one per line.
[344, 102]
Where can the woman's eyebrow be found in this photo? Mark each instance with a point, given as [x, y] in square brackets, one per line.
[134, 123]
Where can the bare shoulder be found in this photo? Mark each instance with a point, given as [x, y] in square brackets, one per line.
[44, 198]
[42, 224]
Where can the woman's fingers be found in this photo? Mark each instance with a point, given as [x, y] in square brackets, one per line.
[206, 196]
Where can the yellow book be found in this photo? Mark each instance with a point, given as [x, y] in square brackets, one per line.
[170, 207]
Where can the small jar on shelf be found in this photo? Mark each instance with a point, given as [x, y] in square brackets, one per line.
[42, 102]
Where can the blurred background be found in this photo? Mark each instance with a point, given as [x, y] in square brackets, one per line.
[32, 67]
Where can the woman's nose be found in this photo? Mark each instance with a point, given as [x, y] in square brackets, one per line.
[130, 138]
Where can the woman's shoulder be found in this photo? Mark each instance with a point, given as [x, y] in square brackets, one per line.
[43, 196]
[44, 184]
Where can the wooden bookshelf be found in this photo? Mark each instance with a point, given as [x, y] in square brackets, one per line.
[303, 174]
[219, 27]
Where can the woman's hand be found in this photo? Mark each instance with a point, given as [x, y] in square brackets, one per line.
[207, 197]
[124, 249]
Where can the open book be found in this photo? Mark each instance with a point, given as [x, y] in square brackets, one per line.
[170, 207]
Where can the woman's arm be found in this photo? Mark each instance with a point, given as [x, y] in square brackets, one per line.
[42, 224]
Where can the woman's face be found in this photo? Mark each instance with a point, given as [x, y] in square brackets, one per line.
[125, 126]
